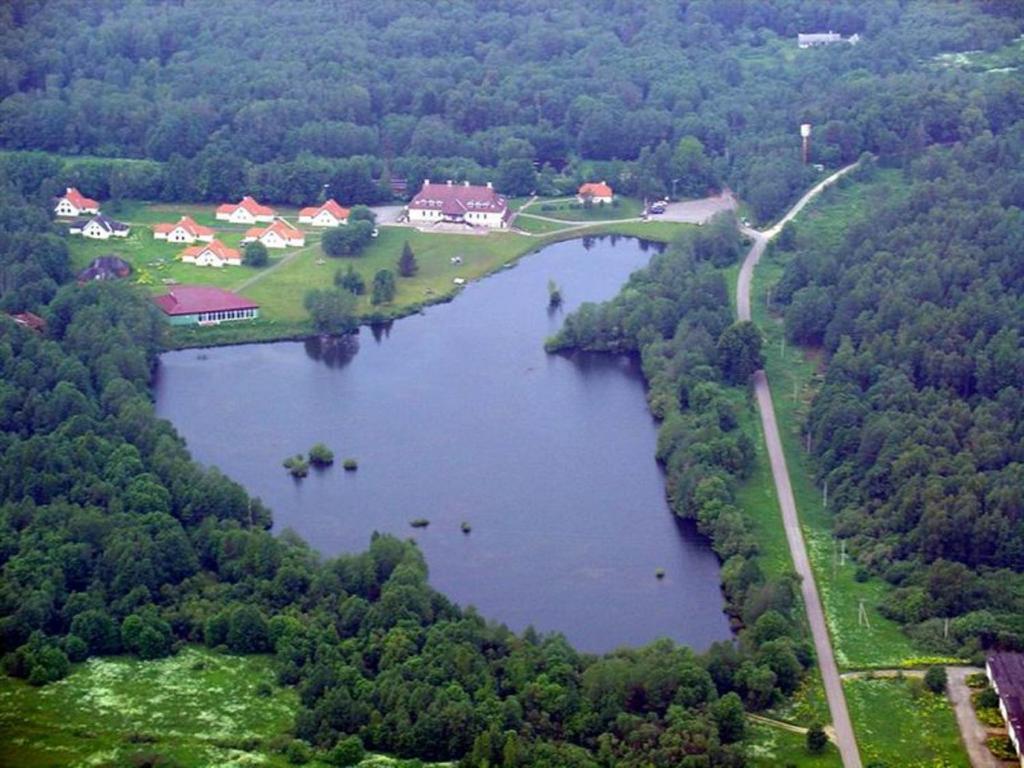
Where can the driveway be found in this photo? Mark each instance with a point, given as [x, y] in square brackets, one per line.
[972, 732]
[698, 211]
[387, 214]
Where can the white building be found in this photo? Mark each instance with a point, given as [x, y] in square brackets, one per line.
[815, 39]
[464, 204]
[99, 227]
[330, 214]
[213, 254]
[185, 231]
[280, 234]
[595, 191]
[246, 211]
[74, 203]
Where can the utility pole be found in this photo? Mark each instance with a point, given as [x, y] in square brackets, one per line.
[824, 495]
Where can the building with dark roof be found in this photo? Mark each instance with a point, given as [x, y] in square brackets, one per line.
[464, 204]
[99, 227]
[108, 267]
[205, 305]
[1005, 671]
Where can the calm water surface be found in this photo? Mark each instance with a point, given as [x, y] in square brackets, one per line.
[458, 415]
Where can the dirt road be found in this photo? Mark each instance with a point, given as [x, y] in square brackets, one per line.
[844, 736]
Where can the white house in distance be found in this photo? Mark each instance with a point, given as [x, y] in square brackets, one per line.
[330, 214]
[246, 211]
[213, 254]
[74, 203]
[185, 231]
[280, 234]
[99, 227]
[815, 39]
[464, 203]
[596, 192]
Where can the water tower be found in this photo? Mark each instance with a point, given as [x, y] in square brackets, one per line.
[805, 135]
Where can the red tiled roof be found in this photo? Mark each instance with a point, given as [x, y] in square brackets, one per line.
[188, 224]
[79, 200]
[193, 299]
[458, 198]
[331, 206]
[216, 247]
[595, 189]
[282, 227]
[249, 204]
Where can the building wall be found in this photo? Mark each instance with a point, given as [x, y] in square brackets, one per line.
[247, 314]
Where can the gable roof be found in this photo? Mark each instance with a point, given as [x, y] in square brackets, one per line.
[107, 223]
[216, 247]
[105, 268]
[595, 189]
[457, 199]
[188, 224]
[249, 204]
[331, 206]
[280, 226]
[193, 299]
[79, 200]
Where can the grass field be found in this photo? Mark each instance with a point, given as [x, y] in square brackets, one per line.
[568, 209]
[899, 722]
[776, 748]
[281, 286]
[197, 708]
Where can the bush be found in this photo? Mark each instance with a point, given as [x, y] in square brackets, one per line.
[935, 679]
[986, 699]
[350, 465]
[349, 240]
[348, 751]
[351, 281]
[816, 739]
[861, 575]
[321, 456]
[298, 752]
[256, 254]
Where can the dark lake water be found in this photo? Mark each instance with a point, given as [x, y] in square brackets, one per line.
[458, 415]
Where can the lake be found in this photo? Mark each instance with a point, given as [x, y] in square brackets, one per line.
[458, 415]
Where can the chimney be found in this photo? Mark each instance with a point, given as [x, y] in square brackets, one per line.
[449, 182]
[489, 185]
[426, 182]
[465, 183]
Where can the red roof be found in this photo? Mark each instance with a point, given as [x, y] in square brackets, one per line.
[188, 224]
[282, 227]
[30, 320]
[331, 206]
[249, 204]
[193, 299]
[458, 198]
[595, 189]
[216, 247]
[79, 200]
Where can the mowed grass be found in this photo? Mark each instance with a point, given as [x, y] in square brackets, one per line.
[794, 375]
[196, 708]
[900, 723]
[568, 209]
[771, 747]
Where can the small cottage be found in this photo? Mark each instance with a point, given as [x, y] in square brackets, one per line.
[184, 231]
[99, 227]
[595, 192]
[280, 234]
[330, 214]
[212, 254]
[73, 203]
[245, 211]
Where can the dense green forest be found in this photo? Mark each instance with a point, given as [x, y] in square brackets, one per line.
[919, 426]
[279, 98]
[113, 541]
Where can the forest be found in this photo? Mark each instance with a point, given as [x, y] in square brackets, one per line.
[211, 100]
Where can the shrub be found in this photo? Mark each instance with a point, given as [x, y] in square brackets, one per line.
[256, 254]
[816, 739]
[348, 751]
[861, 575]
[321, 456]
[935, 679]
[350, 465]
[298, 752]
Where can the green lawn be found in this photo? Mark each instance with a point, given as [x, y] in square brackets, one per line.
[900, 723]
[794, 374]
[535, 226]
[196, 708]
[776, 748]
[568, 209]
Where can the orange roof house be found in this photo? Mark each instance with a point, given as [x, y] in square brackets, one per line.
[212, 254]
[185, 231]
[280, 234]
[330, 214]
[596, 191]
[74, 203]
[246, 211]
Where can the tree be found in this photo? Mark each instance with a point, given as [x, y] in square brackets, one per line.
[146, 635]
[256, 254]
[730, 717]
[935, 679]
[332, 310]
[347, 240]
[362, 213]
[816, 739]
[516, 176]
[384, 287]
[348, 751]
[351, 281]
[739, 352]
[407, 266]
[248, 631]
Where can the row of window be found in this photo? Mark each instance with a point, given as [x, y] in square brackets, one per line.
[228, 314]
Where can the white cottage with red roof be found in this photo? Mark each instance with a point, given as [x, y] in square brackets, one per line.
[246, 211]
[595, 192]
[465, 204]
[185, 231]
[330, 214]
[74, 203]
[280, 234]
[213, 254]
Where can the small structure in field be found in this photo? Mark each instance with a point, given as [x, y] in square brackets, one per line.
[73, 203]
[280, 234]
[596, 192]
[467, 204]
[212, 254]
[99, 227]
[109, 267]
[186, 230]
[1005, 670]
[330, 214]
[205, 305]
[245, 211]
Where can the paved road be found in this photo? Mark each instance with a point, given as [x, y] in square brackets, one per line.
[844, 736]
[971, 730]
[698, 211]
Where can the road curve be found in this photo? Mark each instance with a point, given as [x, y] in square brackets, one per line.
[845, 739]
